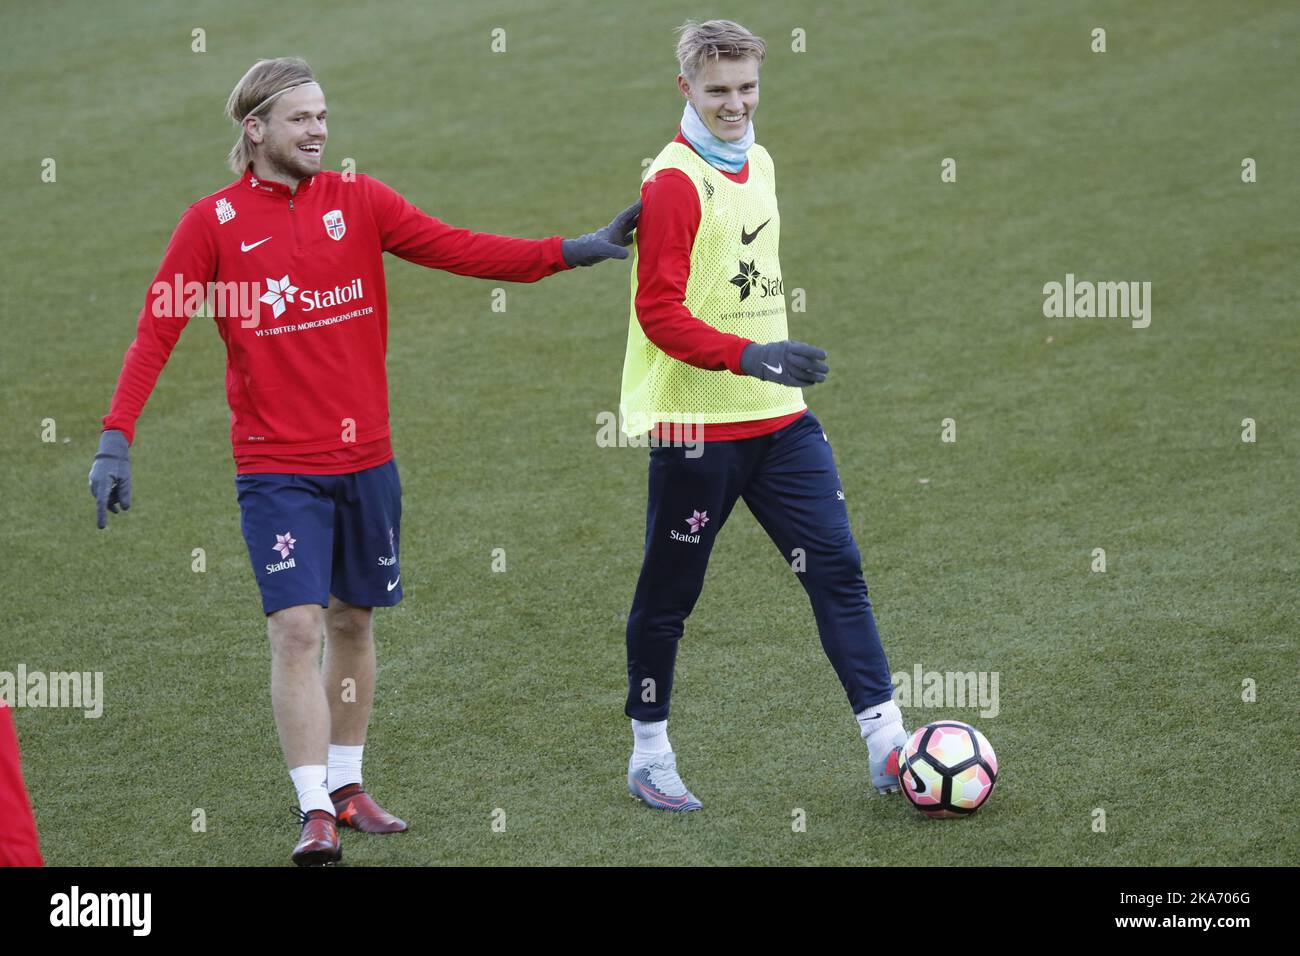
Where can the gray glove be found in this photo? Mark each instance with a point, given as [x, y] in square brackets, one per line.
[786, 363]
[110, 475]
[604, 243]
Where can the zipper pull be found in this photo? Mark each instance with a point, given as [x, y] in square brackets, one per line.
[291, 204]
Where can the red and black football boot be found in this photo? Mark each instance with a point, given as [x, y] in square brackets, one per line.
[358, 810]
[319, 843]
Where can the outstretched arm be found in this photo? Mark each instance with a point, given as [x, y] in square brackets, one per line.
[411, 233]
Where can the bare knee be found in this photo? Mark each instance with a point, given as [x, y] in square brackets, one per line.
[295, 631]
[348, 622]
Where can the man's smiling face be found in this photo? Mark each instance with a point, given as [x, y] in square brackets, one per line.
[293, 135]
[725, 95]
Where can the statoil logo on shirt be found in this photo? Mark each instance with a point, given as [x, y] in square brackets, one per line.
[749, 279]
[282, 290]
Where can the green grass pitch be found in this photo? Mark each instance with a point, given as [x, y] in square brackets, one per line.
[1120, 691]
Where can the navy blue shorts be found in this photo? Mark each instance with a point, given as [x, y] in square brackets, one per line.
[310, 536]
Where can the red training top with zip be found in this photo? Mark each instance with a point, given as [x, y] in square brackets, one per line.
[300, 302]
[670, 217]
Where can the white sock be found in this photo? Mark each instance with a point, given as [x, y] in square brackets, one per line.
[881, 726]
[345, 765]
[309, 781]
[650, 740]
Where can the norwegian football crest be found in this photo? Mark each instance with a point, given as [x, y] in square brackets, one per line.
[334, 224]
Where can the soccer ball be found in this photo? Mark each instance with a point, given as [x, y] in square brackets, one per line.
[947, 769]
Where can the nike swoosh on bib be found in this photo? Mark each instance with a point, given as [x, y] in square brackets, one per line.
[243, 247]
[747, 237]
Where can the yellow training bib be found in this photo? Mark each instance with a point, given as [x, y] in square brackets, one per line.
[734, 286]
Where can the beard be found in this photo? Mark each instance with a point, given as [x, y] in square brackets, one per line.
[287, 161]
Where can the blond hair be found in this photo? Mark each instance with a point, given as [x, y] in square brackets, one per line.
[254, 95]
[712, 40]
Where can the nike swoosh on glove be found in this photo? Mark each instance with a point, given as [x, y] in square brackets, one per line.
[786, 363]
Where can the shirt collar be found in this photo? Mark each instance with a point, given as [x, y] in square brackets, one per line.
[275, 189]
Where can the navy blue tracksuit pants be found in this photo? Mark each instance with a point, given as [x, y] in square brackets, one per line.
[789, 483]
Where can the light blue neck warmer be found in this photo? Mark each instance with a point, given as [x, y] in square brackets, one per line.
[718, 152]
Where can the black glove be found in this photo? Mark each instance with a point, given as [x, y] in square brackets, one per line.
[110, 475]
[604, 243]
[786, 363]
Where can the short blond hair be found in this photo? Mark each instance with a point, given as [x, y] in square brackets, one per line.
[713, 40]
[256, 93]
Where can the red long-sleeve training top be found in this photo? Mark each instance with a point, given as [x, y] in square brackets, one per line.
[19, 845]
[299, 298]
[670, 217]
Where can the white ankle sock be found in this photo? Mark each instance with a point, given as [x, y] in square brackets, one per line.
[881, 724]
[650, 740]
[309, 781]
[344, 766]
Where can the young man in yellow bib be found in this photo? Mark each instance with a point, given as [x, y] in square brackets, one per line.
[708, 348]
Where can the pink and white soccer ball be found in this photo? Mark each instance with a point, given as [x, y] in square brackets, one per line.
[947, 769]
